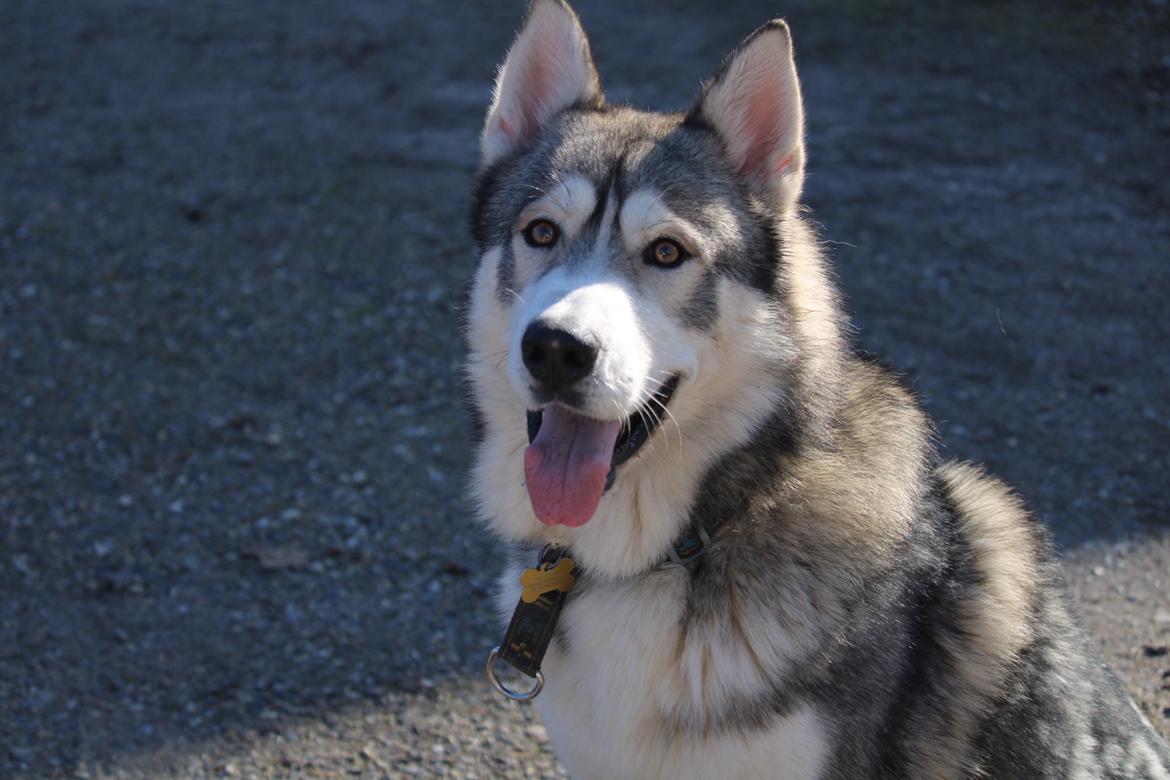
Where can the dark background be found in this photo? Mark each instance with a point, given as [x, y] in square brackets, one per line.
[233, 538]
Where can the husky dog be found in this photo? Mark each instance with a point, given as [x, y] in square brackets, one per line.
[656, 351]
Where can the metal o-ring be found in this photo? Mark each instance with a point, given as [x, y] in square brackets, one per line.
[499, 686]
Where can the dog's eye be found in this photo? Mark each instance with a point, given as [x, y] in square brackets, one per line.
[665, 253]
[541, 233]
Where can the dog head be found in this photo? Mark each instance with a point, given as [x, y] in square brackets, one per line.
[630, 320]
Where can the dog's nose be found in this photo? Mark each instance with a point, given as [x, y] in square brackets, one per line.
[554, 357]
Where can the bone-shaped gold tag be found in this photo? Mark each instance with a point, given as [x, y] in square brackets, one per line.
[538, 582]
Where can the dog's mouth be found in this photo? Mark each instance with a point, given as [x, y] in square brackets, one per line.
[572, 459]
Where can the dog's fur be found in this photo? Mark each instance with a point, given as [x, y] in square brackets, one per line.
[864, 609]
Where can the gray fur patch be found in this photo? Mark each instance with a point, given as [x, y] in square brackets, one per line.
[701, 311]
[506, 291]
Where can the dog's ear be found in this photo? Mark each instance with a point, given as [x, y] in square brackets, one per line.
[548, 69]
[753, 103]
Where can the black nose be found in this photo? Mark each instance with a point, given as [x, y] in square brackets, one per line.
[554, 357]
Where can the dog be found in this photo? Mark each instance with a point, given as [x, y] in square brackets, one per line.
[745, 555]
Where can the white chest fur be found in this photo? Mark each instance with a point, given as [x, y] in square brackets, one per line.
[629, 693]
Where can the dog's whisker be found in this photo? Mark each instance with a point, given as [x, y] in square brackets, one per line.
[484, 360]
[661, 194]
[519, 298]
[653, 399]
[678, 430]
[612, 396]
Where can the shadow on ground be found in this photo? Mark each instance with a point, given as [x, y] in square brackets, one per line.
[232, 254]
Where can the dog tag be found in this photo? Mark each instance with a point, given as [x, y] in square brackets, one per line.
[546, 579]
[534, 621]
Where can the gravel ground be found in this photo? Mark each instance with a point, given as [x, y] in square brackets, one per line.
[233, 537]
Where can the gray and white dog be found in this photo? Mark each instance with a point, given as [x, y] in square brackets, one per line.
[651, 308]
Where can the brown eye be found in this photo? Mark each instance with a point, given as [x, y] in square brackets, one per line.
[541, 233]
[665, 252]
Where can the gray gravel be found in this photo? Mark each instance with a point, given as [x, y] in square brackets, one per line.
[232, 254]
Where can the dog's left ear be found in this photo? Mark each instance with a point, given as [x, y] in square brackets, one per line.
[548, 69]
[753, 103]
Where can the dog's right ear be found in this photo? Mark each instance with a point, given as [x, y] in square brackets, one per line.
[753, 103]
[548, 69]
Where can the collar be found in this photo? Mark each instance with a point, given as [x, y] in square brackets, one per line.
[544, 591]
[687, 548]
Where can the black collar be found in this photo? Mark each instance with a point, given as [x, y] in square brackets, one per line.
[545, 589]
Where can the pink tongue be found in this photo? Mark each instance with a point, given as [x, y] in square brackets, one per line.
[566, 465]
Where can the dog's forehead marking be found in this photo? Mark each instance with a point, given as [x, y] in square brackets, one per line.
[607, 205]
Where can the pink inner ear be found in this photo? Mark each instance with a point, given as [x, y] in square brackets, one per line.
[537, 87]
[761, 126]
[782, 164]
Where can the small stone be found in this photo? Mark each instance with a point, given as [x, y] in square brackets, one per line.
[1099, 571]
[537, 732]
[279, 556]
[1162, 617]
[456, 569]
